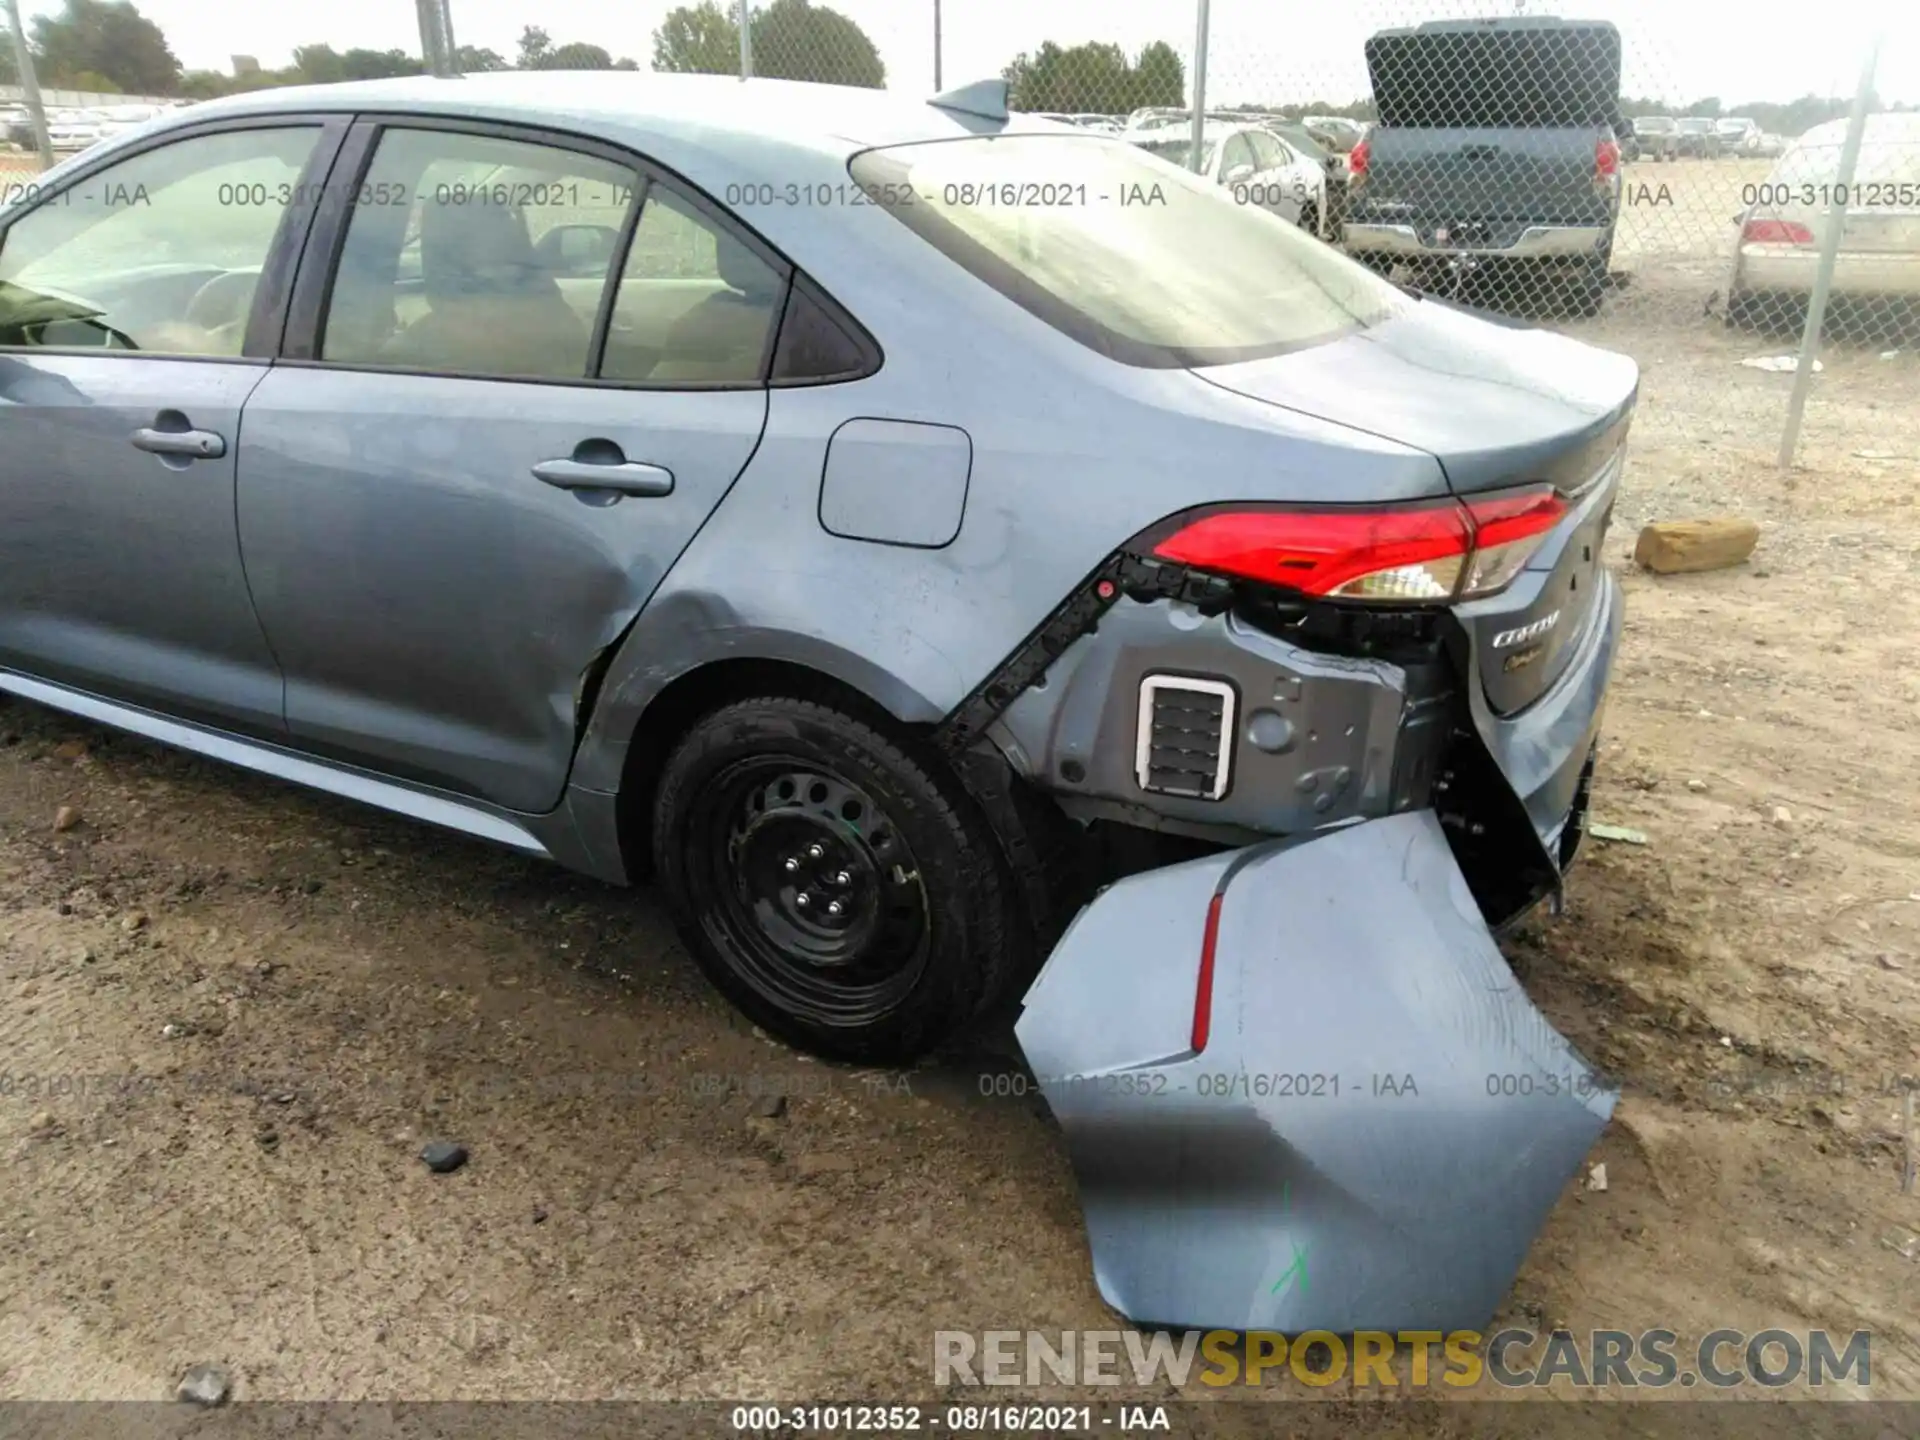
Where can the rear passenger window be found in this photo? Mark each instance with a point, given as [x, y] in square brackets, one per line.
[695, 304]
[475, 255]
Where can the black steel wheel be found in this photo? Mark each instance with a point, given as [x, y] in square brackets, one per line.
[822, 899]
[833, 883]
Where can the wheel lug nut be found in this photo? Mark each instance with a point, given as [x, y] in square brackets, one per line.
[803, 900]
[815, 851]
[792, 864]
[833, 908]
[842, 878]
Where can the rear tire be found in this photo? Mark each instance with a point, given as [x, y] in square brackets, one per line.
[1587, 289]
[838, 888]
[1310, 219]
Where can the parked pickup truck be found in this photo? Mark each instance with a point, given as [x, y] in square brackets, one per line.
[1496, 147]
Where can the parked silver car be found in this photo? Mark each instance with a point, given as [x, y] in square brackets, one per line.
[1254, 165]
[903, 534]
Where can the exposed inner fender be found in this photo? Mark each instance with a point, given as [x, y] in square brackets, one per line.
[1367, 1128]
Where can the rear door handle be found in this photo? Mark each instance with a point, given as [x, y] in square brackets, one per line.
[624, 477]
[194, 444]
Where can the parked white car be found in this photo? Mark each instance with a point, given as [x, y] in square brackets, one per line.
[1739, 136]
[1789, 213]
[118, 119]
[74, 129]
[1255, 164]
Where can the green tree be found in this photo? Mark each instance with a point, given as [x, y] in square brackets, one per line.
[798, 40]
[792, 40]
[534, 45]
[205, 84]
[319, 64]
[698, 40]
[1159, 76]
[576, 56]
[473, 60]
[1095, 78]
[105, 39]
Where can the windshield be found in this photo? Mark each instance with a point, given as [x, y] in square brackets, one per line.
[1653, 124]
[1129, 254]
[1696, 127]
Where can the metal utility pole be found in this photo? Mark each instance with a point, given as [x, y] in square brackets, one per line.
[1829, 255]
[937, 86]
[746, 42]
[436, 37]
[30, 85]
[1199, 83]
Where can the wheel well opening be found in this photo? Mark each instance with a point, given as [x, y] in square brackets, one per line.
[700, 692]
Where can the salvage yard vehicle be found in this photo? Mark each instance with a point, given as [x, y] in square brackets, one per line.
[1495, 153]
[1656, 137]
[1254, 165]
[1791, 212]
[1739, 135]
[918, 585]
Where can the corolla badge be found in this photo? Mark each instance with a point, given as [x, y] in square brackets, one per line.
[1521, 634]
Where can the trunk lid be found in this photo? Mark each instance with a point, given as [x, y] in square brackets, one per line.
[1498, 407]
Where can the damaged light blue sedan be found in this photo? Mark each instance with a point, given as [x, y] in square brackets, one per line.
[964, 560]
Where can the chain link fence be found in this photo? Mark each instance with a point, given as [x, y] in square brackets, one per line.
[1570, 171]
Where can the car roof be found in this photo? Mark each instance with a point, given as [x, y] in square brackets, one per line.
[635, 105]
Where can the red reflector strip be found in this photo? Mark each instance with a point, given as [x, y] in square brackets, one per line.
[1203, 991]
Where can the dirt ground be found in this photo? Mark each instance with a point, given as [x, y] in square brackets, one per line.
[231, 1012]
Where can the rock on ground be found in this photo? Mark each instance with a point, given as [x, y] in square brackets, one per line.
[1675, 547]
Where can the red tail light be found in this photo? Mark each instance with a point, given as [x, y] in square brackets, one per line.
[1203, 992]
[1358, 159]
[1428, 553]
[1606, 158]
[1775, 232]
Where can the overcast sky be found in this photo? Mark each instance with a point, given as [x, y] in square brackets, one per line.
[1276, 50]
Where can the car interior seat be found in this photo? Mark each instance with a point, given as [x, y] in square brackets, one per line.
[724, 336]
[492, 307]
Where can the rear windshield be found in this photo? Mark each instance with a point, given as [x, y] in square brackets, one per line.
[1131, 255]
[1538, 74]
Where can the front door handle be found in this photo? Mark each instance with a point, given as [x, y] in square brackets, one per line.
[624, 477]
[193, 444]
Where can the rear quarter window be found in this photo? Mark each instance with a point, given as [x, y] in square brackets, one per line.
[1129, 254]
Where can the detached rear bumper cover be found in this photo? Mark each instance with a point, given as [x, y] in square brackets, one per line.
[1380, 1119]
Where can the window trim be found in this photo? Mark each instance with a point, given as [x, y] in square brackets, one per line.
[267, 317]
[326, 242]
